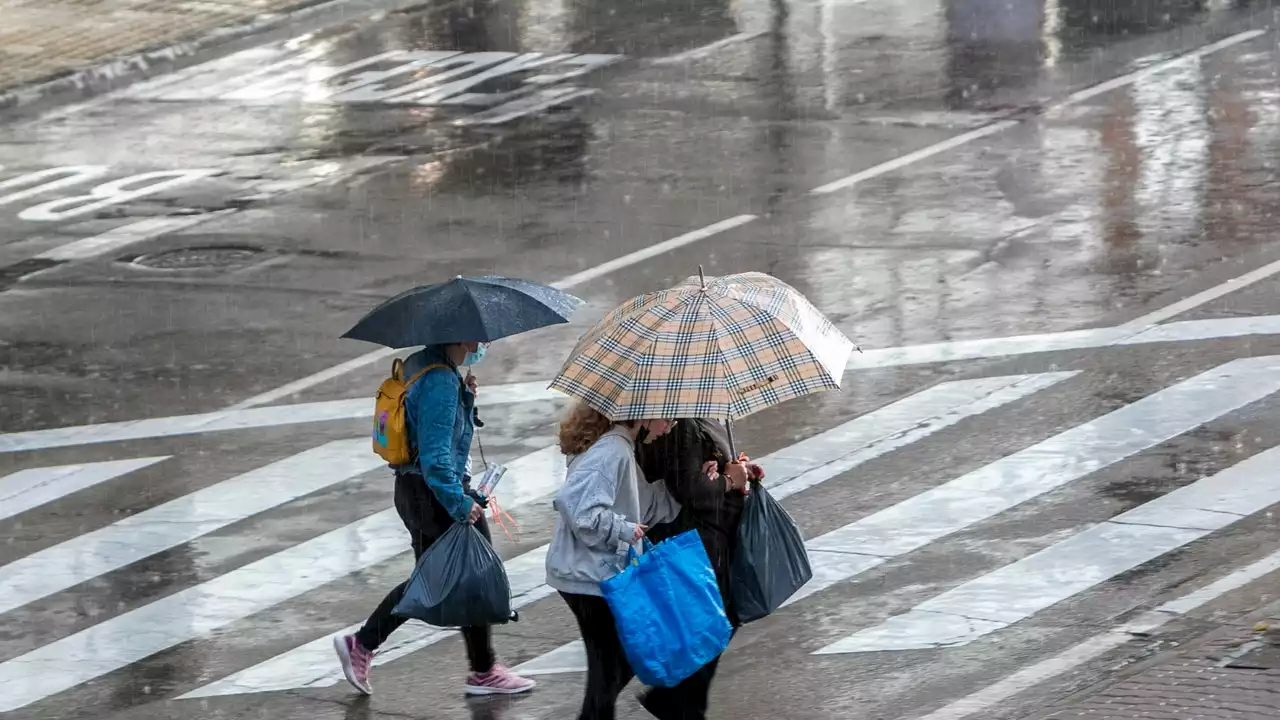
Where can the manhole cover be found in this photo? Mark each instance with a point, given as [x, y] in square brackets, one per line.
[192, 258]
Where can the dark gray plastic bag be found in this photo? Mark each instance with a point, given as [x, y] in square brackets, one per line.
[770, 563]
[459, 582]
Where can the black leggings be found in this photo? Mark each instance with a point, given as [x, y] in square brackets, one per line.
[426, 520]
[686, 701]
[607, 668]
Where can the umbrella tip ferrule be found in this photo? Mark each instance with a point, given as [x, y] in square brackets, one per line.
[702, 278]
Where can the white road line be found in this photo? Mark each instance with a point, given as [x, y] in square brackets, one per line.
[651, 251]
[1125, 80]
[201, 609]
[29, 489]
[790, 470]
[860, 546]
[828, 188]
[708, 49]
[1072, 99]
[535, 391]
[1017, 591]
[1100, 644]
[575, 279]
[813, 461]
[311, 381]
[1183, 331]
[525, 573]
[126, 235]
[224, 420]
[1194, 301]
[836, 451]
[1048, 465]
[898, 163]
[568, 658]
[181, 520]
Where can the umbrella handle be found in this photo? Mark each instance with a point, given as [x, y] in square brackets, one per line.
[728, 428]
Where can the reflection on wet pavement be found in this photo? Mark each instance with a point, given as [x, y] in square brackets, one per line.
[545, 138]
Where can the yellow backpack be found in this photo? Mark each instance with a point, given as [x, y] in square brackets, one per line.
[390, 435]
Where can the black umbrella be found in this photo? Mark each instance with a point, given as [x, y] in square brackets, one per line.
[479, 309]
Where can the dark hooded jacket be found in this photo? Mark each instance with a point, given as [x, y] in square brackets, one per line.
[706, 505]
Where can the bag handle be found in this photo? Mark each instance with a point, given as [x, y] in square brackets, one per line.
[633, 558]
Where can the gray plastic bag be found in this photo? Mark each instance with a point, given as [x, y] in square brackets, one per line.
[458, 582]
[770, 563]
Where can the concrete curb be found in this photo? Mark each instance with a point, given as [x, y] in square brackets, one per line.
[123, 71]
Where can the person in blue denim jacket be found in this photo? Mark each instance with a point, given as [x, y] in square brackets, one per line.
[432, 493]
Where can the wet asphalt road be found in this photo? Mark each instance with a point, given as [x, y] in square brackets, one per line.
[293, 212]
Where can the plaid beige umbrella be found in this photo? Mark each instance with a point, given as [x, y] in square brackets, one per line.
[724, 349]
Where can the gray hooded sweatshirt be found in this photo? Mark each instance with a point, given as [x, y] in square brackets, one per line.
[602, 500]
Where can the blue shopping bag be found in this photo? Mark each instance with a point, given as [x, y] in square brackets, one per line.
[668, 610]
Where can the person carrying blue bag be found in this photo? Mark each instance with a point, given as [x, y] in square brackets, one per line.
[696, 464]
[603, 511]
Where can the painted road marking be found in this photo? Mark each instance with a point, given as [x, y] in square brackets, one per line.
[47, 180]
[226, 420]
[1194, 301]
[117, 238]
[998, 127]
[1017, 591]
[500, 84]
[1010, 346]
[29, 489]
[870, 173]
[311, 665]
[201, 609]
[709, 49]
[1025, 679]
[245, 415]
[114, 192]
[802, 465]
[568, 658]
[563, 284]
[1183, 331]
[181, 520]
[1048, 465]
[860, 546]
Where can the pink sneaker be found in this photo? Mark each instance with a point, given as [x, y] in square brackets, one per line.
[498, 681]
[355, 662]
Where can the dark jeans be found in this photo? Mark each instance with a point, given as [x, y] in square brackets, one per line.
[607, 668]
[426, 520]
[686, 701]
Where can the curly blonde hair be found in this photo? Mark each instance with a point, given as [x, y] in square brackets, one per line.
[581, 427]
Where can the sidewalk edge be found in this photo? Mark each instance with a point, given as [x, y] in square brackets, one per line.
[1232, 626]
[122, 71]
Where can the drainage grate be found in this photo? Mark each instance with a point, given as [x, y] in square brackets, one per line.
[199, 258]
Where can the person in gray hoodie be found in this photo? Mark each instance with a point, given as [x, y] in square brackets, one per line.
[604, 508]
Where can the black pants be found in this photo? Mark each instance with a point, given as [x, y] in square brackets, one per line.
[686, 701]
[426, 519]
[607, 668]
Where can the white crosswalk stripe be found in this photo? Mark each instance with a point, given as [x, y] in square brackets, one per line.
[31, 488]
[860, 546]
[980, 606]
[1015, 592]
[802, 465]
[181, 520]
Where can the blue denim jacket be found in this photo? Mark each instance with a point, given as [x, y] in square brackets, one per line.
[439, 420]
